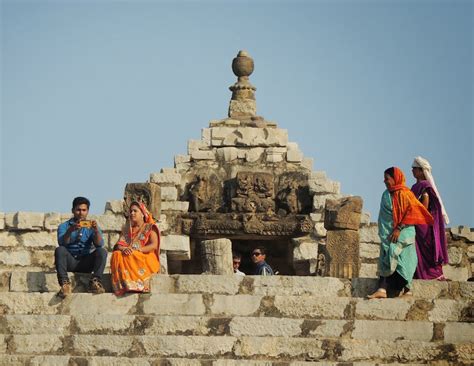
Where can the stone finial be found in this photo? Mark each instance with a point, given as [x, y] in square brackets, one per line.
[243, 102]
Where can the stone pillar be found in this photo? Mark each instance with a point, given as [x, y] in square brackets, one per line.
[342, 220]
[217, 256]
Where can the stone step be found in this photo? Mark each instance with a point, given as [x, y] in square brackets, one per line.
[426, 331]
[253, 285]
[229, 347]
[34, 360]
[304, 307]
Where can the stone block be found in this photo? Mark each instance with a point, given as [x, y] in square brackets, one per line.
[220, 133]
[206, 135]
[365, 218]
[37, 324]
[298, 286]
[369, 250]
[105, 324]
[28, 220]
[276, 137]
[17, 258]
[319, 201]
[446, 310]
[28, 303]
[227, 153]
[343, 213]
[242, 108]
[174, 304]
[111, 222]
[177, 246]
[2, 220]
[463, 232]
[455, 255]
[90, 345]
[209, 284]
[175, 325]
[168, 170]
[169, 194]
[114, 207]
[265, 327]
[52, 220]
[32, 344]
[305, 250]
[9, 239]
[163, 262]
[165, 179]
[278, 347]
[311, 306]
[195, 145]
[393, 330]
[236, 305]
[181, 206]
[9, 218]
[294, 156]
[458, 332]
[38, 239]
[326, 328]
[368, 270]
[254, 154]
[274, 155]
[112, 239]
[317, 217]
[383, 309]
[203, 155]
[369, 233]
[90, 304]
[43, 259]
[180, 159]
[456, 273]
[242, 153]
[307, 163]
[318, 185]
[184, 346]
[162, 223]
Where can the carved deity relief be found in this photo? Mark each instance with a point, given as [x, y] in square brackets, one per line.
[254, 193]
[293, 194]
[205, 193]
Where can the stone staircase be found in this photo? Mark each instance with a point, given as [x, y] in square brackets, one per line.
[231, 320]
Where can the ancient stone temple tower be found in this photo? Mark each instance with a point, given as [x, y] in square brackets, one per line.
[245, 182]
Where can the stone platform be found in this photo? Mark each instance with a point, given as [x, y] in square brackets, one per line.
[230, 320]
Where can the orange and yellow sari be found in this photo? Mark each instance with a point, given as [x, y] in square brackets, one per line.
[133, 273]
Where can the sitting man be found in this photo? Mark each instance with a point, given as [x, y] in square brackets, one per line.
[236, 258]
[81, 249]
[261, 267]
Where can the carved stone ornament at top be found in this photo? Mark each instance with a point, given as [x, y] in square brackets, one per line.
[242, 104]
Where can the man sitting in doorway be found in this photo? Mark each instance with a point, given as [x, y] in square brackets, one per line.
[236, 259]
[261, 267]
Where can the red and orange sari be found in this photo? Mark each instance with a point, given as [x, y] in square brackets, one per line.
[133, 273]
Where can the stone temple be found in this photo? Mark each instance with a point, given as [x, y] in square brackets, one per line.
[241, 185]
[244, 182]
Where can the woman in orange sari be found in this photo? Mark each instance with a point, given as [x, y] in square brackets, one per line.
[136, 255]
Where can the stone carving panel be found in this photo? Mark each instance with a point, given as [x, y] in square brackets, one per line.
[254, 192]
[205, 193]
[293, 194]
[148, 193]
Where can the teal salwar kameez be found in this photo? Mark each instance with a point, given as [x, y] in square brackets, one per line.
[397, 261]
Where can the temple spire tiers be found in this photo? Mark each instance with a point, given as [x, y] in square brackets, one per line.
[242, 106]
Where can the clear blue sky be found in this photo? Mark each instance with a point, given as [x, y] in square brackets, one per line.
[95, 94]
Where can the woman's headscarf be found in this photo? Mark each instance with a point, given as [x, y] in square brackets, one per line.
[147, 216]
[407, 210]
[424, 165]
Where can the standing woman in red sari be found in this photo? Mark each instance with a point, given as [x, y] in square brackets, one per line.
[430, 240]
[136, 255]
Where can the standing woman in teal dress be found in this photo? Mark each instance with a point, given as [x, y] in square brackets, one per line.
[399, 212]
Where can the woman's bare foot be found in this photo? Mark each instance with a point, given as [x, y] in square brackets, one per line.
[381, 293]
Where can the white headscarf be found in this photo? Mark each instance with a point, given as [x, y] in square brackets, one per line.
[422, 163]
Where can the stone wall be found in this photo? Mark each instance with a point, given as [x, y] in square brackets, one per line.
[28, 240]
[460, 251]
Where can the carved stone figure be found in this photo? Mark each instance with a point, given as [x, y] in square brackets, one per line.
[148, 193]
[205, 194]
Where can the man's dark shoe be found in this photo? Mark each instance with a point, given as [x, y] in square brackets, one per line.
[65, 289]
[95, 286]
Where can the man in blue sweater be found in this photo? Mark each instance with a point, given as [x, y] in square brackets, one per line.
[261, 267]
[81, 249]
